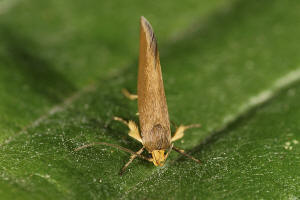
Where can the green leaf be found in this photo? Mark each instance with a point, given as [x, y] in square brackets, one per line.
[51, 49]
[232, 66]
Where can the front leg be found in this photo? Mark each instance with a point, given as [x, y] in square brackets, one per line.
[132, 157]
[133, 128]
[179, 133]
[186, 155]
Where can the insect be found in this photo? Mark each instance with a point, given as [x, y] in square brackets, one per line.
[155, 132]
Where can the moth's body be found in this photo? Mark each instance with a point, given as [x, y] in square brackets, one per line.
[152, 105]
[155, 133]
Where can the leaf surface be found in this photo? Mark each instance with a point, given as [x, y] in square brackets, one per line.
[232, 66]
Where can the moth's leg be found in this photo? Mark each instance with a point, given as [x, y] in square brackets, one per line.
[132, 157]
[117, 147]
[179, 133]
[185, 154]
[133, 128]
[129, 95]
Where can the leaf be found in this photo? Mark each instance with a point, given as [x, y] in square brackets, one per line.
[52, 49]
[257, 156]
[235, 70]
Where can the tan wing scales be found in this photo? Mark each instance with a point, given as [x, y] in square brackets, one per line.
[152, 105]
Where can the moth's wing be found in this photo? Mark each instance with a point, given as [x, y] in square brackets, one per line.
[152, 105]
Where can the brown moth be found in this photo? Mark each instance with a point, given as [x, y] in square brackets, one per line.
[155, 132]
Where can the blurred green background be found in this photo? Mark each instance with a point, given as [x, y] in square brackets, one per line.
[231, 65]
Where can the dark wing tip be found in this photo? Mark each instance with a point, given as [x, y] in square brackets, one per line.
[150, 35]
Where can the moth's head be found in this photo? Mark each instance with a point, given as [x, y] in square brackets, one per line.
[158, 157]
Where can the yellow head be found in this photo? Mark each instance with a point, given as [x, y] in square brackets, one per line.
[158, 157]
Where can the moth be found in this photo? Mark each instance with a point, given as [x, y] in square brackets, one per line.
[155, 132]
